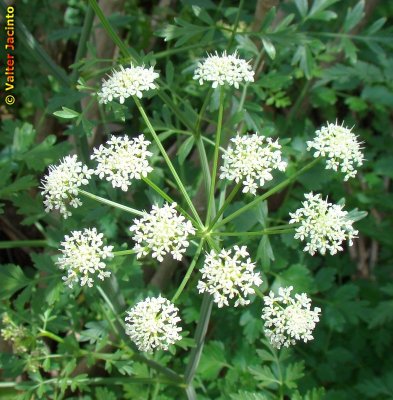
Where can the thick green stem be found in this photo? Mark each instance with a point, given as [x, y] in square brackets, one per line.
[168, 161]
[215, 157]
[269, 193]
[50, 335]
[200, 335]
[110, 203]
[11, 244]
[189, 272]
[254, 233]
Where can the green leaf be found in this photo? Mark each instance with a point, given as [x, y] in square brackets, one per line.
[302, 6]
[23, 138]
[318, 10]
[252, 326]
[298, 276]
[264, 374]
[269, 48]
[212, 360]
[185, 149]
[324, 279]
[304, 58]
[246, 44]
[382, 314]
[12, 279]
[46, 153]
[265, 253]
[200, 13]
[102, 393]
[293, 372]
[23, 183]
[66, 113]
[95, 331]
[354, 16]
[378, 94]
[356, 215]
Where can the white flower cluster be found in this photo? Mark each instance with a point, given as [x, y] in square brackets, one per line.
[251, 160]
[228, 276]
[83, 255]
[152, 324]
[288, 319]
[224, 69]
[341, 148]
[123, 159]
[324, 226]
[60, 186]
[127, 82]
[163, 231]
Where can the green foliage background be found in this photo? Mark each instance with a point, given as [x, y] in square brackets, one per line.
[315, 61]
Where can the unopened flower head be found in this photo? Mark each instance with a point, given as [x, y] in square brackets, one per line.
[250, 160]
[323, 226]
[153, 324]
[83, 257]
[18, 335]
[288, 319]
[122, 160]
[60, 186]
[224, 69]
[229, 274]
[126, 82]
[162, 231]
[341, 148]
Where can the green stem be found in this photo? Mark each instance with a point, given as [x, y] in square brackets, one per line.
[270, 192]
[108, 27]
[215, 157]
[168, 161]
[189, 272]
[82, 44]
[235, 25]
[11, 244]
[50, 335]
[258, 292]
[201, 147]
[124, 252]
[254, 233]
[200, 335]
[111, 203]
[226, 203]
[168, 199]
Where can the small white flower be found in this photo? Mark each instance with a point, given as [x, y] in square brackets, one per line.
[123, 159]
[127, 82]
[60, 186]
[324, 226]
[288, 319]
[251, 160]
[152, 324]
[224, 69]
[162, 231]
[228, 276]
[341, 148]
[83, 255]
